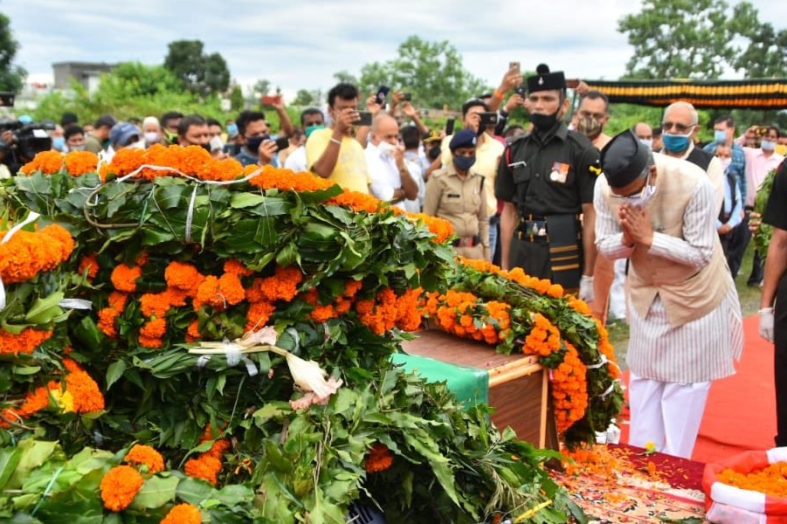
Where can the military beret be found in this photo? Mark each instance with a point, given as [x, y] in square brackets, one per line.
[624, 159]
[463, 138]
[543, 80]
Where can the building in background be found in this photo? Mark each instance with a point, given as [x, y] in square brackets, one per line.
[86, 73]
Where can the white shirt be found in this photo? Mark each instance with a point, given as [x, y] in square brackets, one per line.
[297, 160]
[383, 173]
[417, 173]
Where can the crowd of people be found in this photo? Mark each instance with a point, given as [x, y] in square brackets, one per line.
[668, 220]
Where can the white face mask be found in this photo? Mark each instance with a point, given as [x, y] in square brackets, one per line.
[725, 162]
[386, 149]
[647, 142]
[151, 136]
[216, 144]
[640, 199]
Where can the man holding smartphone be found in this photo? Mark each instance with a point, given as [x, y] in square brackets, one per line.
[333, 153]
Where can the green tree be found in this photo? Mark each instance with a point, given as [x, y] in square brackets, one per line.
[199, 73]
[137, 79]
[432, 71]
[678, 39]
[236, 98]
[11, 76]
[345, 77]
[261, 88]
[303, 97]
[765, 56]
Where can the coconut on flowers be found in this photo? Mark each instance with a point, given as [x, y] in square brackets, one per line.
[187, 339]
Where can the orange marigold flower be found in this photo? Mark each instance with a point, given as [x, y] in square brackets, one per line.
[119, 487]
[231, 288]
[258, 315]
[141, 454]
[283, 285]
[208, 293]
[27, 253]
[48, 162]
[35, 402]
[25, 342]
[352, 287]
[183, 514]
[150, 343]
[356, 201]
[237, 268]
[106, 321]
[81, 162]
[193, 330]
[88, 265]
[155, 328]
[157, 304]
[323, 313]
[124, 277]
[83, 389]
[205, 467]
[218, 448]
[379, 459]
[181, 275]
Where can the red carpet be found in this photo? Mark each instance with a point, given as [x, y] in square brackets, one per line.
[741, 411]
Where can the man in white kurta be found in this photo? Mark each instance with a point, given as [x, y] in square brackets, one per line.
[684, 313]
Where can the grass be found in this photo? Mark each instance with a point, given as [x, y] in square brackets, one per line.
[749, 298]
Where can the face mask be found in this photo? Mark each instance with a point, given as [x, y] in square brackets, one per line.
[386, 149]
[311, 129]
[590, 127]
[675, 143]
[253, 143]
[464, 163]
[642, 198]
[726, 162]
[648, 142]
[59, 143]
[216, 144]
[138, 145]
[719, 136]
[151, 136]
[77, 148]
[766, 145]
[206, 147]
[543, 122]
[433, 153]
[232, 130]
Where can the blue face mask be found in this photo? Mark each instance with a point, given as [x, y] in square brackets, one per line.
[311, 129]
[464, 163]
[719, 136]
[232, 129]
[675, 143]
[253, 142]
[59, 143]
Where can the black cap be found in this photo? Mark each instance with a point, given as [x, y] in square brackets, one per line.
[544, 80]
[624, 159]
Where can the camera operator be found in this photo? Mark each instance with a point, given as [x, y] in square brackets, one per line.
[19, 143]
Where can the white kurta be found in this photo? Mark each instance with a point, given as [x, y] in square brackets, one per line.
[700, 350]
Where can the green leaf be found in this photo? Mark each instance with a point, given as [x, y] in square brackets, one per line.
[87, 332]
[33, 454]
[43, 310]
[233, 494]
[9, 458]
[194, 491]
[241, 200]
[115, 371]
[156, 492]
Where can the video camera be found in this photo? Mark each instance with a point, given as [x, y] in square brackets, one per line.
[28, 139]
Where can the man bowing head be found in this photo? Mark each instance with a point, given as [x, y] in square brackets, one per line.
[683, 307]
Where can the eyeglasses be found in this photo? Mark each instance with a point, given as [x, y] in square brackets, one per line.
[681, 128]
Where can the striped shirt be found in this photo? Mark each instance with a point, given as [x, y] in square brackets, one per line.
[700, 350]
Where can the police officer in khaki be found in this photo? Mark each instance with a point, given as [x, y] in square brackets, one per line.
[546, 181]
[458, 194]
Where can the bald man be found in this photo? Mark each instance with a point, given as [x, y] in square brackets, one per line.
[644, 134]
[679, 127]
[390, 179]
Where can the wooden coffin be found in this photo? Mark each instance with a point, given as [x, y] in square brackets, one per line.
[518, 385]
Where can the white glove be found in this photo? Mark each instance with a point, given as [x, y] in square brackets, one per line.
[586, 288]
[766, 323]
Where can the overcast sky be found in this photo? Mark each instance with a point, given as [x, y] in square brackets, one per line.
[300, 43]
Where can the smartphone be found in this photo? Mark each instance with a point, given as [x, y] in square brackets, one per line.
[521, 90]
[232, 149]
[282, 143]
[366, 118]
[382, 94]
[270, 100]
[513, 67]
[488, 119]
[407, 97]
[449, 127]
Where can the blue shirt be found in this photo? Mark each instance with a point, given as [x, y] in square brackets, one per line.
[737, 166]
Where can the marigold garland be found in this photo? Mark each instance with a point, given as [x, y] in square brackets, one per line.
[124, 277]
[78, 163]
[183, 514]
[141, 454]
[48, 162]
[119, 487]
[27, 253]
[379, 459]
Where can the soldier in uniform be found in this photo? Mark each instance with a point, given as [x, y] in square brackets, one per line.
[458, 193]
[546, 181]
